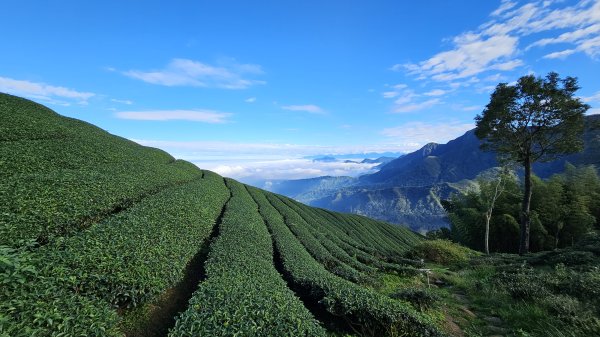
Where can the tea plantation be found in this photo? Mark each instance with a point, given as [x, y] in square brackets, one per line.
[100, 236]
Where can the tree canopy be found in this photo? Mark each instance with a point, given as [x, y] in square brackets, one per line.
[536, 119]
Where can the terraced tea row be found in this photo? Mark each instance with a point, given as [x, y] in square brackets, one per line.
[102, 237]
[73, 285]
[58, 175]
[243, 294]
[365, 312]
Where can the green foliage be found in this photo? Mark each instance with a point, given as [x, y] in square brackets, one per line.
[535, 119]
[365, 311]
[418, 297]
[441, 251]
[243, 293]
[123, 261]
[96, 231]
[562, 209]
[534, 294]
[58, 175]
[522, 283]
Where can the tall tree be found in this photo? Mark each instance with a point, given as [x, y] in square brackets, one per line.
[537, 119]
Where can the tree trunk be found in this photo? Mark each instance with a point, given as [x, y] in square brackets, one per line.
[488, 217]
[525, 211]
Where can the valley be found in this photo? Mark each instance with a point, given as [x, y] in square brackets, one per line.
[408, 190]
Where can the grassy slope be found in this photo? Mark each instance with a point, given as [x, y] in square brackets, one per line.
[545, 294]
[93, 226]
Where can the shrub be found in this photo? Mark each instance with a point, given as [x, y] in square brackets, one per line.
[523, 283]
[441, 251]
[573, 258]
[420, 298]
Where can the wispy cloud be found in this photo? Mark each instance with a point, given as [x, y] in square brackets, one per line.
[436, 92]
[394, 90]
[472, 55]
[185, 72]
[122, 101]
[44, 92]
[250, 100]
[406, 100]
[559, 54]
[205, 116]
[591, 99]
[412, 107]
[495, 45]
[310, 108]
[504, 7]
[472, 108]
[422, 133]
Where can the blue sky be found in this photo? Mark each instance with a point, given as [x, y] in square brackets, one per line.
[249, 89]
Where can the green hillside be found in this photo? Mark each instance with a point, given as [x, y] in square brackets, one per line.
[100, 236]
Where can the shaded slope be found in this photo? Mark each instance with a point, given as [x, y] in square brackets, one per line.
[459, 159]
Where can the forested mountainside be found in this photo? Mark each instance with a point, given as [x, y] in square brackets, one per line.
[408, 189]
[100, 236]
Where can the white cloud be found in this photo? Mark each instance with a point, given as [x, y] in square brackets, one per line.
[594, 98]
[436, 92]
[252, 161]
[505, 6]
[422, 133]
[494, 45]
[559, 54]
[254, 171]
[472, 108]
[595, 111]
[412, 107]
[250, 100]
[466, 108]
[310, 108]
[472, 55]
[406, 100]
[494, 78]
[184, 72]
[260, 151]
[122, 101]
[572, 36]
[591, 47]
[397, 90]
[205, 116]
[44, 92]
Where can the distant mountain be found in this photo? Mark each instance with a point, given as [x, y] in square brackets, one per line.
[357, 156]
[327, 159]
[434, 163]
[408, 189]
[306, 190]
[380, 160]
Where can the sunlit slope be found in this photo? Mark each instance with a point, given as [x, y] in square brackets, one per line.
[100, 236]
[58, 175]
